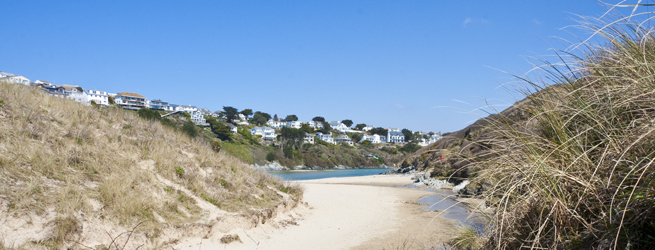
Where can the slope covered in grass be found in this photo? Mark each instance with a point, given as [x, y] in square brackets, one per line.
[69, 172]
[575, 169]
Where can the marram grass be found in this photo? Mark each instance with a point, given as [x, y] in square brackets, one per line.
[579, 173]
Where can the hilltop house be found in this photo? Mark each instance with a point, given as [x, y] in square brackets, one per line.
[75, 93]
[309, 138]
[99, 97]
[129, 100]
[293, 124]
[268, 134]
[276, 124]
[367, 128]
[325, 137]
[375, 138]
[337, 125]
[18, 79]
[158, 104]
[41, 82]
[395, 136]
[315, 125]
[344, 139]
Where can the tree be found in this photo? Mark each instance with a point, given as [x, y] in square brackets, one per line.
[347, 122]
[246, 112]
[408, 134]
[410, 148]
[291, 118]
[306, 128]
[379, 131]
[260, 118]
[111, 100]
[356, 137]
[230, 113]
[318, 119]
[326, 128]
[292, 136]
[360, 126]
[275, 118]
[221, 130]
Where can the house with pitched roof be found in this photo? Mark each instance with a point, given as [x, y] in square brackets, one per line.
[344, 139]
[337, 125]
[395, 136]
[309, 138]
[268, 134]
[325, 137]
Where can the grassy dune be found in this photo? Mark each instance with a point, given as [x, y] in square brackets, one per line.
[63, 161]
[578, 173]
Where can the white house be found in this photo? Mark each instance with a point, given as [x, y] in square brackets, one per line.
[367, 128]
[325, 137]
[19, 80]
[315, 125]
[395, 136]
[337, 125]
[233, 128]
[309, 138]
[375, 138]
[186, 108]
[268, 134]
[276, 124]
[99, 97]
[41, 82]
[5, 74]
[197, 117]
[158, 104]
[293, 124]
[75, 93]
[344, 139]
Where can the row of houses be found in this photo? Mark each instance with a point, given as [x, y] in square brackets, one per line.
[127, 100]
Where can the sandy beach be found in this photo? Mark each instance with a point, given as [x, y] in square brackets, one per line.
[366, 212]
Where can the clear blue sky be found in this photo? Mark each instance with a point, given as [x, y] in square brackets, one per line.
[398, 64]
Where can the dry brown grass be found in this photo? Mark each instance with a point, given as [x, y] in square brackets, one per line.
[579, 173]
[61, 155]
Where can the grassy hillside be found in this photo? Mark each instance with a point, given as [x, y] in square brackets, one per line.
[571, 166]
[63, 165]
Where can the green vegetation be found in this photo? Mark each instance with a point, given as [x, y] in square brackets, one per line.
[347, 122]
[190, 128]
[291, 118]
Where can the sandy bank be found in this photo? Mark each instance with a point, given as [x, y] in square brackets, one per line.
[344, 213]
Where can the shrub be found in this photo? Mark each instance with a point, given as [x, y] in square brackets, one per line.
[179, 171]
[190, 129]
[216, 146]
[270, 156]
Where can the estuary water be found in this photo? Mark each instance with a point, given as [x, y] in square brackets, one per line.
[298, 175]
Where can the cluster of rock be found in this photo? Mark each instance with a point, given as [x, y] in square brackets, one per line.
[270, 166]
[430, 182]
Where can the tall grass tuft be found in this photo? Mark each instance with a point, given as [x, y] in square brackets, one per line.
[579, 173]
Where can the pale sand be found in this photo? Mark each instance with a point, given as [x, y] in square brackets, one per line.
[345, 213]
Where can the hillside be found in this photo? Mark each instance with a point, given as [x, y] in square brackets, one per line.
[570, 166]
[73, 174]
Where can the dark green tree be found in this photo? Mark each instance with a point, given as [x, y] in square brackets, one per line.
[347, 122]
[230, 113]
[292, 137]
[111, 100]
[246, 112]
[291, 118]
[360, 126]
[221, 130]
[379, 131]
[326, 128]
[305, 127]
[318, 119]
[260, 118]
[408, 134]
[356, 137]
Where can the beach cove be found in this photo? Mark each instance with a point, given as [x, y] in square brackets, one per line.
[363, 212]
